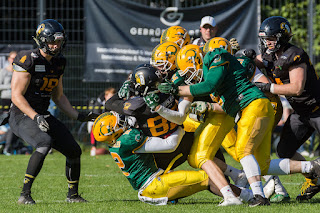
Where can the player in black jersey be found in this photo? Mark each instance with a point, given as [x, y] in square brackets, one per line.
[294, 77]
[37, 77]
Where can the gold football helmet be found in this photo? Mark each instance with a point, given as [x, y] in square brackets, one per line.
[189, 62]
[217, 42]
[163, 58]
[176, 34]
[108, 127]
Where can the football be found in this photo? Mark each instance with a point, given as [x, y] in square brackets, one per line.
[102, 151]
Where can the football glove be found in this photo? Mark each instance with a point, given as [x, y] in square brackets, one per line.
[124, 91]
[201, 107]
[234, 45]
[41, 122]
[88, 117]
[198, 118]
[264, 87]
[152, 100]
[250, 53]
[168, 88]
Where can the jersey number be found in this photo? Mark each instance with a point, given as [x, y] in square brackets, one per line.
[119, 162]
[49, 84]
[159, 126]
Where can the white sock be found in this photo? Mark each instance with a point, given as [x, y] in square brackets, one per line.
[278, 187]
[227, 192]
[232, 172]
[250, 166]
[257, 188]
[305, 167]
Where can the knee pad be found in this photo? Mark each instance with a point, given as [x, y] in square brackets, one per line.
[43, 150]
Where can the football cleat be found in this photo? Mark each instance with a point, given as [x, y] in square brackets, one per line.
[231, 201]
[280, 198]
[308, 189]
[75, 198]
[315, 168]
[258, 200]
[25, 198]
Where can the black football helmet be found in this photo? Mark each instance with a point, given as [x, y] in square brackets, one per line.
[278, 27]
[48, 31]
[145, 78]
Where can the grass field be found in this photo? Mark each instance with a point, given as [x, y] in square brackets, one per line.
[107, 190]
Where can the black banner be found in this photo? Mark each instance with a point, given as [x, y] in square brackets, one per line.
[121, 34]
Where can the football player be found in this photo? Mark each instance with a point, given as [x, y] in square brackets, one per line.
[246, 58]
[224, 76]
[145, 79]
[155, 186]
[37, 77]
[164, 57]
[176, 34]
[294, 77]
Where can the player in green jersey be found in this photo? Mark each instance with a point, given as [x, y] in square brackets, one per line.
[132, 151]
[224, 76]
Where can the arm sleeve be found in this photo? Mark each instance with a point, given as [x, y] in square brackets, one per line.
[177, 117]
[258, 74]
[115, 104]
[159, 145]
[213, 79]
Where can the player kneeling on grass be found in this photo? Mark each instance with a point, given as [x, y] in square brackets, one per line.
[155, 186]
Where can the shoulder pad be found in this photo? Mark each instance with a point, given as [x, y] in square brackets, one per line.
[217, 57]
[292, 56]
[24, 59]
[133, 104]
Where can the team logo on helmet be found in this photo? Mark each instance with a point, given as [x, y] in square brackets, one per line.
[285, 27]
[40, 29]
[140, 78]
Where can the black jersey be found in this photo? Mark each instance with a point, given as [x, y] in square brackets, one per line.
[44, 77]
[309, 100]
[151, 123]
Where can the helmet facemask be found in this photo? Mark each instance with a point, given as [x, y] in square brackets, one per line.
[164, 66]
[191, 75]
[277, 45]
[119, 127]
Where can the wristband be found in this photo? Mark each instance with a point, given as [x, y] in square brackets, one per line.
[272, 88]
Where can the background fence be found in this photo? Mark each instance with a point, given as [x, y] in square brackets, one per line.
[19, 19]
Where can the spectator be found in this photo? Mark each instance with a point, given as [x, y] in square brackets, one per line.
[5, 81]
[98, 108]
[208, 30]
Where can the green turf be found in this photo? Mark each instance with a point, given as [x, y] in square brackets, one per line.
[107, 190]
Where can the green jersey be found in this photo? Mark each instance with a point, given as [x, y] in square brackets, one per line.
[177, 79]
[226, 77]
[136, 167]
[249, 66]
